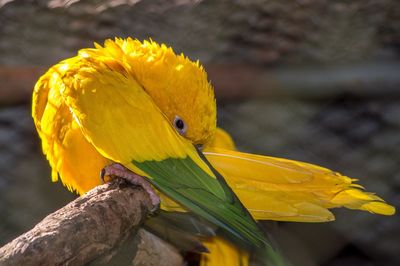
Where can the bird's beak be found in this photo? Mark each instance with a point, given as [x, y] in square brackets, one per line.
[199, 147]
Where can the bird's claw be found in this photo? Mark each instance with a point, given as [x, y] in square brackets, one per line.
[103, 175]
[117, 170]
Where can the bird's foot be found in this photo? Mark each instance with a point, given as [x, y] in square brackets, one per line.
[118, 170]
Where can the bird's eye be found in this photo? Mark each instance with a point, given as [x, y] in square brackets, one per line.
[180, 125]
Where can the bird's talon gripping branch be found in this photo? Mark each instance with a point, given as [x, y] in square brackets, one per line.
[118, 170]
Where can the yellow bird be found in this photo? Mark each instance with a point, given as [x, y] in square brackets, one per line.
[137, 109]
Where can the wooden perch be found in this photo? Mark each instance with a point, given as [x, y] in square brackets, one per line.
[93, 229]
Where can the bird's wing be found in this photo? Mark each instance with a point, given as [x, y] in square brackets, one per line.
[123, 123]
[62, 140]
[286, 190]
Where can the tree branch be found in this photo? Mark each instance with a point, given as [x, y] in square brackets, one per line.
[93, 229]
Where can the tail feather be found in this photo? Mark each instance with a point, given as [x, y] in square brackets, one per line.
[286, 190]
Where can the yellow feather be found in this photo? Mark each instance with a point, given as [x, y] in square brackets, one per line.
[87, 79]
[221, 139]
[285, 190]
[70, 155]
[173, 82]
[271, 188]
[129, 109]
[145, 84]
[223, 252]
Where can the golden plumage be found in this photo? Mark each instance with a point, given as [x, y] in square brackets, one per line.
[118, 102]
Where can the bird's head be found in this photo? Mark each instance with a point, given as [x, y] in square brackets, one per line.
[177, 85]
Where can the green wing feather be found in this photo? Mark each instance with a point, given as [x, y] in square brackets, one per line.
[211, 198]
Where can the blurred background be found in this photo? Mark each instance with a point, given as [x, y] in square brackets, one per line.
[311, 80]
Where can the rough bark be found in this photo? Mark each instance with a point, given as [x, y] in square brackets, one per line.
[94, 229]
